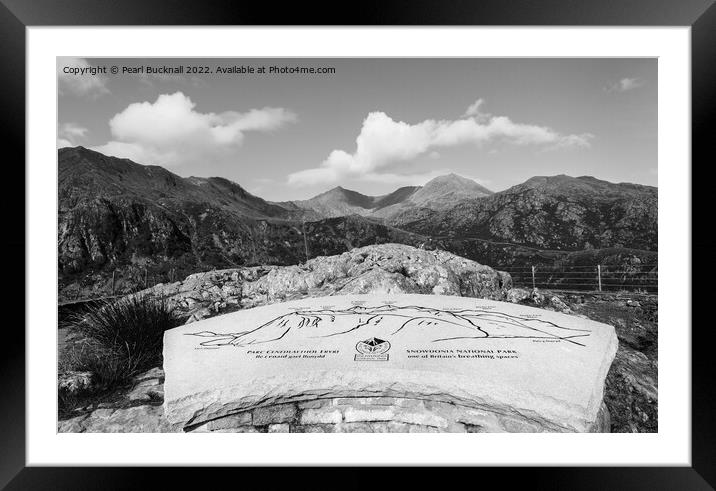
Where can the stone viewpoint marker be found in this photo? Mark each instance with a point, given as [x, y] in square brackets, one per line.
[389, 363]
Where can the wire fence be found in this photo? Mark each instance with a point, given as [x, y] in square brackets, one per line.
[120, 283]
[587, 278]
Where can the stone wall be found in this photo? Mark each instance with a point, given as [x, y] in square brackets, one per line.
[140, 411]
[377, 415]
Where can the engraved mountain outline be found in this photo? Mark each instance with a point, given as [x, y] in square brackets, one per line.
[438, 324]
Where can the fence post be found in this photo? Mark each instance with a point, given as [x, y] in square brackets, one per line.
[145, 277]
[113, 282]
[305, 239]
[599, 276]
[533, 278]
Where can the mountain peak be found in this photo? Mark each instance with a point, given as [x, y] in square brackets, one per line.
[338, 201]
[78, 150]
[453, 176]
[448, 189]
[455, 179]
[338, 191]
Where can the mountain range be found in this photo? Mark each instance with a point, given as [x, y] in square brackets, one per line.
[558, 212]
[118, 215]
[438, 194]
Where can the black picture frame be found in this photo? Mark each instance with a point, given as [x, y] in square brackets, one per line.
[16, 15]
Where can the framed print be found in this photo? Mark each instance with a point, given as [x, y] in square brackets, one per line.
[419, 236]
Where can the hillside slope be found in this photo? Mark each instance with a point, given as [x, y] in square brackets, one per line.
[140, 220]
[558, 212]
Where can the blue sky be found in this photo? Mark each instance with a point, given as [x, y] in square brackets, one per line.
[374, 124]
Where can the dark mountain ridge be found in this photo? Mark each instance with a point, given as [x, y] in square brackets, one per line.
[558, 212]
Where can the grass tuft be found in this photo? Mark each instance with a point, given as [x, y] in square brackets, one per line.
[121, 339]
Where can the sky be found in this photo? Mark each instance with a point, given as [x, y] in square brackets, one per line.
[370, 125]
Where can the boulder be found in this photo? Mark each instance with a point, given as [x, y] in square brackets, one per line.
[559, 305]
[518, 295]
[527, 369]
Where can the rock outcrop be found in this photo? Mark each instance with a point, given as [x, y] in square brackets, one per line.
[386, 268]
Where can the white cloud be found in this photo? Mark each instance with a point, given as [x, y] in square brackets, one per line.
[170, 132]
[383, 142]
[474, 110]
[70, 135]
[77, 77]
[73, 129]
[625, 84]
[572, 141]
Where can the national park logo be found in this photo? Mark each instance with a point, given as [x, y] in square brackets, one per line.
[372, 349]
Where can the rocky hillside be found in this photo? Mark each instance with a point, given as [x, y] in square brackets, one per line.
[135, 220]
[558, 212]
[114, 211]
[129, 226]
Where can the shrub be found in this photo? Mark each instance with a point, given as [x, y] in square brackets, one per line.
[122, 338]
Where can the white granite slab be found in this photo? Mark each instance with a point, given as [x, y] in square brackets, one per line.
[545, 366]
